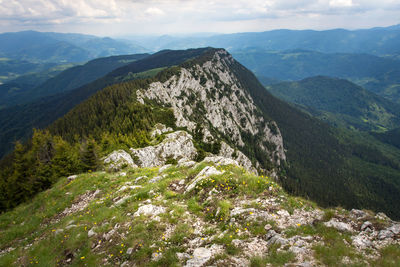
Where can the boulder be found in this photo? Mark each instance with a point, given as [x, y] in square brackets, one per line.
[228, 152]
[218, 160]
[385, 234]
[361, 241]
[395, 229]
[160, 129]
[118, 159]
[203, 174]
[186, 163]
[72, 177]
[176, 145]
[164, 168]
[149, 210]
[91, 232]
[357, 213]
[341, 226]
[366, 225]
[200, 256]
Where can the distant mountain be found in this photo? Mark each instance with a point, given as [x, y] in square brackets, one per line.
[377, 74]
[16, 122]
[19, 91]
[12, 68]
[59, 47]
[340, 102]
[377, 41]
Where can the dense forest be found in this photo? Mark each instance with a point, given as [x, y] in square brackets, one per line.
[341, 103]
[324, 166]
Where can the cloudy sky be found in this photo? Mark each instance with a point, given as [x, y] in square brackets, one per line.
[130, 17]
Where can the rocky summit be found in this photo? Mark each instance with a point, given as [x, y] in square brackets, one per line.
[155, 206]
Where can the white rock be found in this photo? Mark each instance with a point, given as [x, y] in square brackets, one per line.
[155, 179]
[122, 200]
[159, 129]
[200, 257]
[165, 167]
[107, 236]
[283, 213]
[361, 241]
[72, 177]
[203, 174]
[140, 178]
[366, 225]
[382, 216]
[176, 145]
[221, 161]
[129, 251]
[228, 152]
[385, 234]
[186, 163]
[150, 210]
[117, 159]
[91, 232]
[358, 213]
[341, 226]
[131, 187]
[395, 229]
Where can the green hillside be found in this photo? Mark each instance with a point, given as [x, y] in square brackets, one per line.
[376, 74]
[340, 103]
[67, 80]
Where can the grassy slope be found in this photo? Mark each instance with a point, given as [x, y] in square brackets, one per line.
[38, 241]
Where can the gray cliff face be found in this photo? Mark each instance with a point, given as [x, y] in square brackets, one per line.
[212, 96]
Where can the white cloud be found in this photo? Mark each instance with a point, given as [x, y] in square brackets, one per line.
[341, 3]
[154, 11]
[169, 16]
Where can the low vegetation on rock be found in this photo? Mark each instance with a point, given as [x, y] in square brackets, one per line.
[230, 217]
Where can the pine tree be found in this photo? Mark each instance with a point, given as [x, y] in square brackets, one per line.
[89, 158]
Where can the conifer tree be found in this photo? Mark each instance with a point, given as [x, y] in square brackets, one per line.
[89, 157]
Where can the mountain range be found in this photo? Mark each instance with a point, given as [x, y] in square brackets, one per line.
[61, 47]
[187, 157]
[379, 75]
[376, 41]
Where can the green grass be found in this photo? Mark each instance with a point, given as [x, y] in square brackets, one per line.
[146, 236]
[274, 258]
[390, 257]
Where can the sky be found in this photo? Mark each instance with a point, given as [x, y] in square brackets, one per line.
[174, 17]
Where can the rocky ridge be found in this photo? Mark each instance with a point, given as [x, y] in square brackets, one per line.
[176, 146]
[209, 96]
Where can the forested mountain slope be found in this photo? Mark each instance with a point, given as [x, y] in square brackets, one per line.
[16, 123]
[67, 80]
[340, 103]
[222, 105]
